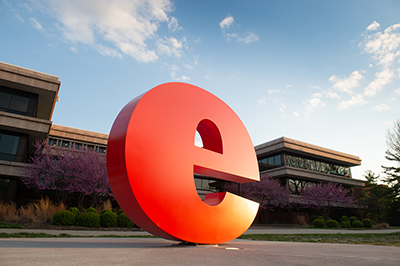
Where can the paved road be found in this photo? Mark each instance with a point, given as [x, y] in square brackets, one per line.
[155, 251]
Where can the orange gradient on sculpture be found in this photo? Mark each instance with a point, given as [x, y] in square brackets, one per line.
[152, 158]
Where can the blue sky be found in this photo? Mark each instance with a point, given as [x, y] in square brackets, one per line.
[322, 72]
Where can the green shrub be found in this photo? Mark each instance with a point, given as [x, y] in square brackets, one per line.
[319, 223]
[75, 211]
[345, 224]
[120, 211]
[344, 218]
[357, 224]
[367, 223]
[64, 218]
[124, 221]
[108, 219]
[313, 217]
[89, 219]
[91, 209]
[352, 219]
[321, 218]
[332, 224]
[103, 211]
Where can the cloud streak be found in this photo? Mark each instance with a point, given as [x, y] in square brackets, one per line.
[116, 28]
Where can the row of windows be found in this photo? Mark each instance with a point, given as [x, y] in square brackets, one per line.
[317, 166]
[78, 145]
[205, 184]
[18, 102]
[303, 163]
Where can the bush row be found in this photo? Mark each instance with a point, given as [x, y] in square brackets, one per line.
[345, 222]
[90, 218]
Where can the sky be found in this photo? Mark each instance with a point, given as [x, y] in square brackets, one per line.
[322, 72]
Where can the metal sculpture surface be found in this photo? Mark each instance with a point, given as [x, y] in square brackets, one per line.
[151, 159]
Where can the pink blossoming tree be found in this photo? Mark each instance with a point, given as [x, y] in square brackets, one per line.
[268, 192]
[67, 171]
[324, 197]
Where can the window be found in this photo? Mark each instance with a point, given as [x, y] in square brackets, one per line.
[9, 147]
[270, 162]
[18, 102]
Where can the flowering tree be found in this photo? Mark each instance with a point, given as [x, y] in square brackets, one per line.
[68, 170]
[324, 197]
[268, 192]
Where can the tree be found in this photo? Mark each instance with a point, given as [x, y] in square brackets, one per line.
[66, 171]
[393, 172]
[325, 197]
[393, 155]
[268, 192]
[377, 198]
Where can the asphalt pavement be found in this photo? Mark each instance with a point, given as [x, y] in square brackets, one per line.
[157, 251]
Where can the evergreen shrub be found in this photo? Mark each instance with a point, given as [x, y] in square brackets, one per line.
[319, 223]
[332, 224]
[367, 223]
[357, 224]
[75, 211]
[124, 221]
[120, 211]
[103, 211]
[108, 219]
[344, 218]
[64, 218]
[345, 224]
[352, 219]
[322, 218]
[89, 219]
[313, 217]
[91, 209]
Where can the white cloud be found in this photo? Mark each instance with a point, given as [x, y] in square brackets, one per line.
[226, 22]
[347, 84]
[170, 46]
[35, 24]
[73, 49]
[251, 37]
[296, 114]
[383, 46]
[173, 24]
[273, 91]
[397, 91]
[382, 78]
[175, 76]
[330, 94]
[373, 26]
[314, 102]
[354, 101]
[126, 27]
[381, 107]
[262, 100]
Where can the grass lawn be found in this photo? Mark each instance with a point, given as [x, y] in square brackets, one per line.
[392, 239]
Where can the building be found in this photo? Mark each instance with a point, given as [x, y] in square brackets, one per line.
[297, 163]
[27, 100]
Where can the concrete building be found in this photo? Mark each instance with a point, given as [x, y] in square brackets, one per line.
[27, 100]
[297, 163]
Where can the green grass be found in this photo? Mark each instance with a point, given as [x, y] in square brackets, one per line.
[392, 239]
[5, 225]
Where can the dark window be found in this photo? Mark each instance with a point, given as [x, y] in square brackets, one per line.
[12, 147]
[270, 162]
[18, 102]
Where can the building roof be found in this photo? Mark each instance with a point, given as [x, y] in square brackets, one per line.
[285, 144]
[78, 134]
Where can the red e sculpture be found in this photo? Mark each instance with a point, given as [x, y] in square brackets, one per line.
[151, 160]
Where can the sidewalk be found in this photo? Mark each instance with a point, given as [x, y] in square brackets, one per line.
[251, 230]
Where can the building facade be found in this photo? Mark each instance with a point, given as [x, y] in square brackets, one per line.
[27, 100]
[297, 163]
